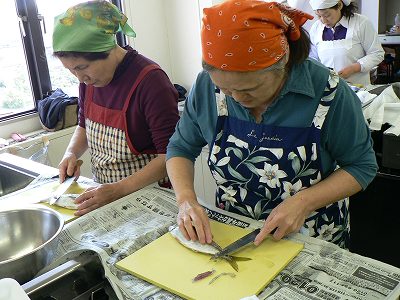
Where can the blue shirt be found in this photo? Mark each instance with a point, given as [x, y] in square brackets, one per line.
[345, 136]
[337, 33]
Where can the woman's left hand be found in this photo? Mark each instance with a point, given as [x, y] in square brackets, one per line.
[349, 70]
[95, 197]
[287, 217]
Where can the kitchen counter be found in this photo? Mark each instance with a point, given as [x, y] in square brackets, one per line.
[30, 171]
[389, 39]
[32, 166]
[124, 226]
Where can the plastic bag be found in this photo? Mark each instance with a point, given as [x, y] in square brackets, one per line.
[32, 152]
[42, 156]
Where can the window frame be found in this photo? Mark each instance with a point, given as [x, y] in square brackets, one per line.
[30, 24]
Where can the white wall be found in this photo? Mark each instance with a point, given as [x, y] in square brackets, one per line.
[168, 32]
[148, 20]
[370, 9]
[183, 26]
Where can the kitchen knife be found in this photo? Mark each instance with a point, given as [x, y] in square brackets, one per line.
[63, 187]
[240, 243]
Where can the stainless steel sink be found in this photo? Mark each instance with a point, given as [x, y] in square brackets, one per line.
[13, 178]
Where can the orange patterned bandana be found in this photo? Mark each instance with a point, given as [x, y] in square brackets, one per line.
[248, 35]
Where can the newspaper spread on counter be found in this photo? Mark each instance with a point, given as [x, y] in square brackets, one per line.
[322, 270]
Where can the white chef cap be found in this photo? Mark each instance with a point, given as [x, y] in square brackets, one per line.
[323, 4]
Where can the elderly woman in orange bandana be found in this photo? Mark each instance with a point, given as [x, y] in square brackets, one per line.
[287, 138]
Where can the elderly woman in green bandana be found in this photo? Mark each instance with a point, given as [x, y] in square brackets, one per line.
[127, 105]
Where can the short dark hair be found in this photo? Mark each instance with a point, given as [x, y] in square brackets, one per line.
[298, 52]
[299, 49]
[90, 56]
[347, 11]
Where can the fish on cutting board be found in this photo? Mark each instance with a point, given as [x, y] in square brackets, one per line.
[67, 201]
[192, 245]
[267, 260]
[211, 249]
[65, 204]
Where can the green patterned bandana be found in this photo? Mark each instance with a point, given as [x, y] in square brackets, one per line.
[89, 27]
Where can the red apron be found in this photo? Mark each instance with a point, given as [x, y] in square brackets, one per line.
[113, 155]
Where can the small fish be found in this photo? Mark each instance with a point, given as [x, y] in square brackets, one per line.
[67, 201]
[203, 275]
[192, 245]
[211, 249]
[232, 275]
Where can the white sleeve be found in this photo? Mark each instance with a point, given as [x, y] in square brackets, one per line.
[313, 51]
[372, 46]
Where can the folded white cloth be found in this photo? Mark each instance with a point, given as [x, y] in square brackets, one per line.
[395, 128]
[384, 108]
[365, 96]
[10, 289]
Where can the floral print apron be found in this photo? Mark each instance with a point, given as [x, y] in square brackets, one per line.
[257, 166]
[112, 153]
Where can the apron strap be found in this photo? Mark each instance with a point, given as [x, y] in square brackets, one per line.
[222, 107]
[139, 79]
[326, 100]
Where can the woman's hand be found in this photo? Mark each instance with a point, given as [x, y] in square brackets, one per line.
[287, 217]
[95, 197]
[192, 219]
[350, 70]
[291, 214]
[68, 166]
[193, 222]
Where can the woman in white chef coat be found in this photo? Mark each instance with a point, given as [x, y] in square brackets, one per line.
[344, 40]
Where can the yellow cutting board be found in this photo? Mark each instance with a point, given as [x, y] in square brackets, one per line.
[67, 213]
[171, 266]
[45, 190]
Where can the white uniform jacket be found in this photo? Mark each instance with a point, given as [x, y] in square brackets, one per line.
[360, 45]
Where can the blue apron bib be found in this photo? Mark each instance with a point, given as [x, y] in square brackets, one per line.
[257, 166]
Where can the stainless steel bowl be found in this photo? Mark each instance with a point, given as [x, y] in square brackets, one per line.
[25, 235]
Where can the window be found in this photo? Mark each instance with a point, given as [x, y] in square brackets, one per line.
[28, 69]
[15, 90]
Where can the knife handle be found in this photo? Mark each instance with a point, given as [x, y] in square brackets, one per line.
[79, 163]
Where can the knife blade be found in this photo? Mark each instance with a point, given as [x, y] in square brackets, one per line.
[63, 187]
[240, 243]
